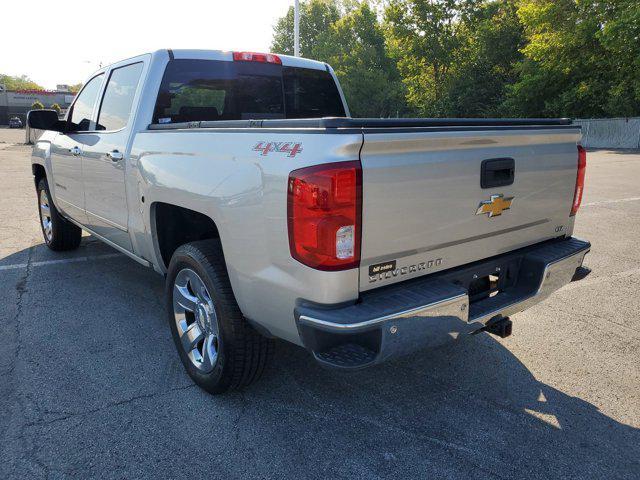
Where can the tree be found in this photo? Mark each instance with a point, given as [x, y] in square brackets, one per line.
[581, 59]
[348, 36]
[620, 37]
[423, 35]
[355, 47]
[486, 63]
[316, 18]
[56, 107]
[37, 105]
[21, 82]
[530, 58]
[75, 88]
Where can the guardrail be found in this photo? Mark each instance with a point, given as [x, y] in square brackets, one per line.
[610, 132]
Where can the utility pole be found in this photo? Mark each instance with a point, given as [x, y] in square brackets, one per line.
[296, 28]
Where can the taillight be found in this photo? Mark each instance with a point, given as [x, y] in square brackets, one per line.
[256, 57]
[324, 210]
[582, 167]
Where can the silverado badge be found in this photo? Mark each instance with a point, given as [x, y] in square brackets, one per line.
[495, 206]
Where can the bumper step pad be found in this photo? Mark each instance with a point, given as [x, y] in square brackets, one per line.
[348, 355]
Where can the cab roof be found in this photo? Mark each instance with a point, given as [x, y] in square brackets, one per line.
[287, 60]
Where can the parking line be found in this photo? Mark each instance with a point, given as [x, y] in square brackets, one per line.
[43, 263]
[605, 202]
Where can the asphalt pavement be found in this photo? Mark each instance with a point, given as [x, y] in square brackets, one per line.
[91, 386]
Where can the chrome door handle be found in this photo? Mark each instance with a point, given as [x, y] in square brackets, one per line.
[115, 155]
[75, 151]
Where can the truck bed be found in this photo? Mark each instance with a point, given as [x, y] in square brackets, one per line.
[422, 186]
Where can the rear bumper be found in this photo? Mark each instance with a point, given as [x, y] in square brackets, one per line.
[399, 319]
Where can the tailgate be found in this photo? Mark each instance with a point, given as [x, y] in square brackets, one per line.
[425, 210]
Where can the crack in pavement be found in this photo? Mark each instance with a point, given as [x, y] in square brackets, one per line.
[125, 401]
[21, 288]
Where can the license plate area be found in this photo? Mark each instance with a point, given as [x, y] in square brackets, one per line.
[487, 279]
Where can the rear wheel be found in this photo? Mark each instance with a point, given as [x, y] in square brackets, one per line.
[217, 346]
[59, 234]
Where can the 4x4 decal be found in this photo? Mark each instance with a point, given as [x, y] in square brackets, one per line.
[290, 148]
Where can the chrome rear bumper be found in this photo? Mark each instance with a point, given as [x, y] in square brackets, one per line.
[426, 312]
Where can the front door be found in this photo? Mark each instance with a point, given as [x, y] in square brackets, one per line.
[66, 152]
[104, 159]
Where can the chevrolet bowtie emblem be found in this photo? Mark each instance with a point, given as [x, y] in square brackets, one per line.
[495, 206]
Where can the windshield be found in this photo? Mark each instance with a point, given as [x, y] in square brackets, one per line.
[209, 90]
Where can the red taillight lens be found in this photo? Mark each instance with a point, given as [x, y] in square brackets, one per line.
[582, 167]
[324, 209]
[256, 57]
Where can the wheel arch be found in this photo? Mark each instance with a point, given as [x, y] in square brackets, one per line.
[173, 225]
[39, 172]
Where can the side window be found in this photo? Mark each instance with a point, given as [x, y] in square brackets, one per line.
[311, 93]
[80, 119]
[118, 97]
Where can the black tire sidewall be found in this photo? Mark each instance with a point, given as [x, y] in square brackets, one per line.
[219, 378]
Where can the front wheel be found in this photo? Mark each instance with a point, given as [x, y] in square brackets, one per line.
[217, 346]
[59, 234]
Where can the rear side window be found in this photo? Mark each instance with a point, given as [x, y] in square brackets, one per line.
[209, 90]
[118, 97]
[81, 114]
[311, 93]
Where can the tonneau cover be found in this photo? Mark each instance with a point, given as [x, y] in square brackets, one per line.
[369, 123]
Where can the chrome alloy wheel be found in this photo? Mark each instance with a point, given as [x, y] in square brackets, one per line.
[45, 215]
[196, 320]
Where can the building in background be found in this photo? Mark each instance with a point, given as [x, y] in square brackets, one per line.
[16, 103]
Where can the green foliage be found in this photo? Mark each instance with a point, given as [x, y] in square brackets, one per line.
[349, 37]
[577, 58]
[316, 18]
[355, 47]
[18, 83]
[424, 38]
[56, 107]
[581, 59]
[486, 62]
[37, 105]
[75, 88]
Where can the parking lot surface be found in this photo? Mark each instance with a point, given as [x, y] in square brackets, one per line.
[91, 386]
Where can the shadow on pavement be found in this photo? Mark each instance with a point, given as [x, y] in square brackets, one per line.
[96, 389]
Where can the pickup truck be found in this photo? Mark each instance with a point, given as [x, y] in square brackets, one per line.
[273, 214]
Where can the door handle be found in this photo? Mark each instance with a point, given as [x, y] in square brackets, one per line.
[115, 155]
[497, 172]
[75, 151]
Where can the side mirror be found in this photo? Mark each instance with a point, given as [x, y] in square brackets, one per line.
[45, 120]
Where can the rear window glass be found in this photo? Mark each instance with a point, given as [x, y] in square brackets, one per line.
[209, 90]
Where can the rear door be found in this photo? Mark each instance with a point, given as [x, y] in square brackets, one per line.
[428, 206]
[104, 160]
[66, 151]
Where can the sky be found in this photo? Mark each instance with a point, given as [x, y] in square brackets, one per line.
[64, 42]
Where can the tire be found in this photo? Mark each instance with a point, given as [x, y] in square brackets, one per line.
[59, 234]
[218, 348]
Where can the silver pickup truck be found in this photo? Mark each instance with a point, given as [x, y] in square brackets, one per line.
[242, 179]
